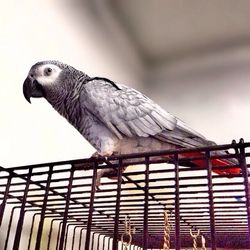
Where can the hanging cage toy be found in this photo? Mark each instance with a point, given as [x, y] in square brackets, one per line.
[126, 237]
[167, 228]
[194, 236]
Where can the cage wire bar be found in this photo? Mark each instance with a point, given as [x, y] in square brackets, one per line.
[57, 205]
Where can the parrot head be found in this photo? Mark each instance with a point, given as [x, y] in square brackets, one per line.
[48, 77]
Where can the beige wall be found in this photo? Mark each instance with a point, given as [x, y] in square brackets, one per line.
[210, 92]
[31, 31]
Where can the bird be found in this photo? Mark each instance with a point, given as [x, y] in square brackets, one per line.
[114, 118]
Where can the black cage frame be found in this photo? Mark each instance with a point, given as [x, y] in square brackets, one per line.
[57, 206]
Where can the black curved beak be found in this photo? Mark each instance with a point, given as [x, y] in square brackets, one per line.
[31, 88]
[27, 89]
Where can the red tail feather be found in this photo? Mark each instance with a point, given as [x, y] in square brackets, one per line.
[215, 163]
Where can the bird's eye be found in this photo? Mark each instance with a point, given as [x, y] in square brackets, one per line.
[48, 71]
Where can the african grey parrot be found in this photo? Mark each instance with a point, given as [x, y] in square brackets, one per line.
[114, 118]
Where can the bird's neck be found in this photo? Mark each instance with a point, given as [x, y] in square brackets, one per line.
[67, 104]
[66, 101]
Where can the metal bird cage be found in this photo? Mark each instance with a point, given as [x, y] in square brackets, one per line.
[152, 205]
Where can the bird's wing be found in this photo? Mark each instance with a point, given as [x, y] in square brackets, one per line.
[127, 112]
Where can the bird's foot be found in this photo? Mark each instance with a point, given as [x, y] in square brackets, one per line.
[97, 155]
[107, 172]
[110, 173]
[102, 173]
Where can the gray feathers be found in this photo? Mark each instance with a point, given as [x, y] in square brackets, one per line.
[109, 114]
[128, 113]
[127, 110]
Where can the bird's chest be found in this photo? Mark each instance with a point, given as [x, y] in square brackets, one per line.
[101, 138]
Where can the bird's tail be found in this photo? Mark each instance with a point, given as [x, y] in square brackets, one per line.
[230, 171]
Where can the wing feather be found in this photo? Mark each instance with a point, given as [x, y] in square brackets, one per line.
[124, 129]
[127, 112]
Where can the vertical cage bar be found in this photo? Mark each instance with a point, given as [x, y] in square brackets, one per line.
[177, 204]
[6, 192]
[146, 187]
[9, 227]
[211, 201]
[108, 243]
[65, 216]
[40, 227]
[73, 239]
[22, 212]
[92, 241]
[50, 232]
[117, 209]
[91, 207]
[80, 239]
[244, 169]
[66, 237]
[58, 234]
[103, 245]
[98, 242]
[31, 230]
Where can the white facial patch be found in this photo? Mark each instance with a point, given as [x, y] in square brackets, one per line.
[47, 74]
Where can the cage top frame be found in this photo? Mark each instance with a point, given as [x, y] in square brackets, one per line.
[195, 198]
